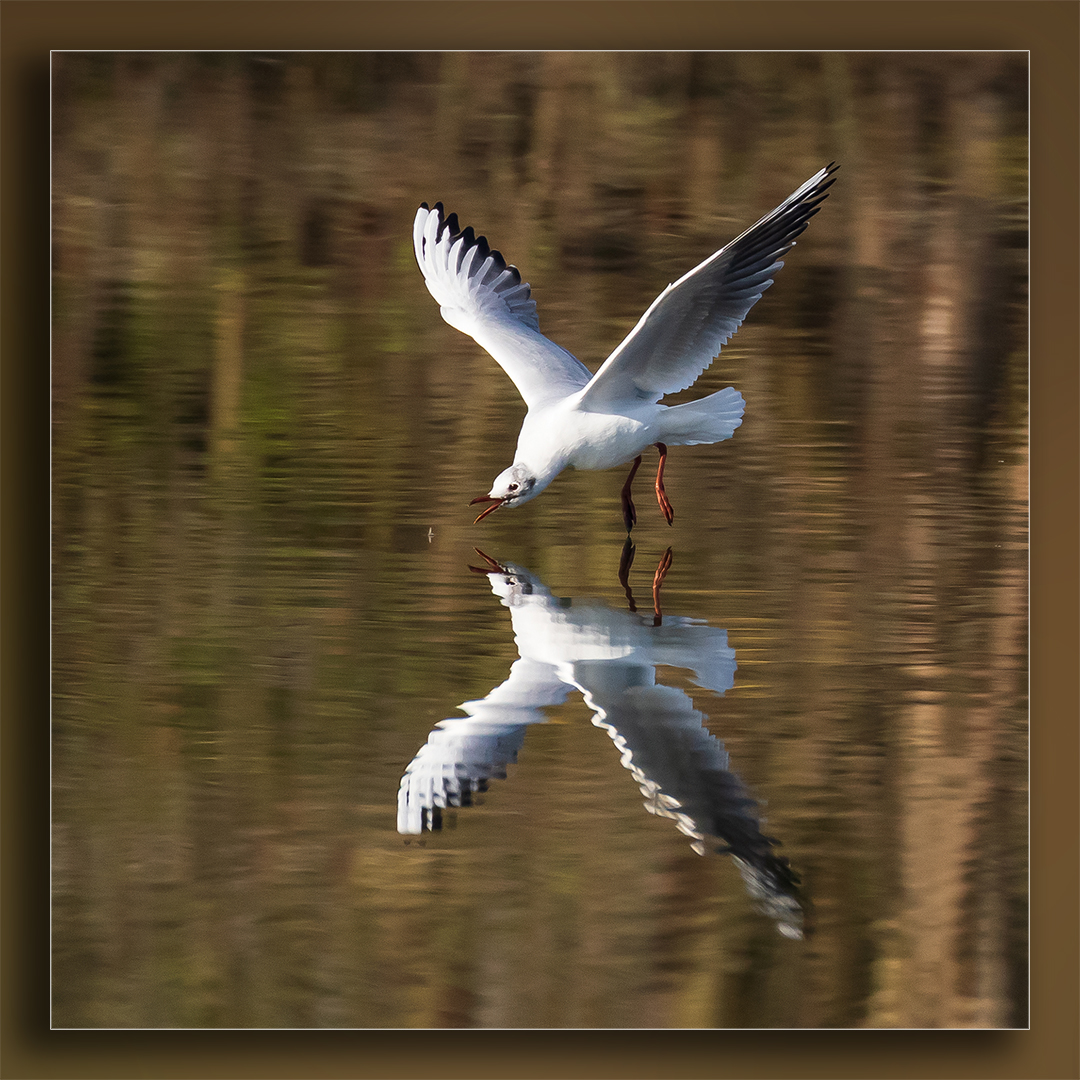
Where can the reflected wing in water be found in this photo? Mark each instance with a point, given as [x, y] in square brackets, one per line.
[462, 754]
[684, 774]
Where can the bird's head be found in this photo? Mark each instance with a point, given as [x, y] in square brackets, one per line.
[512, 487]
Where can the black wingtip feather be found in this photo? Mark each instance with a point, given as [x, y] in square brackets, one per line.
[448, 228]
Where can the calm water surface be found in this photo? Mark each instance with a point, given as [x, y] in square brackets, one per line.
[312, 768]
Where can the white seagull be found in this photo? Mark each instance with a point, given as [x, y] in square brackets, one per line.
[602, 420]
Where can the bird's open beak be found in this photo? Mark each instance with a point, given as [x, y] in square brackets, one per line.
[495, 504]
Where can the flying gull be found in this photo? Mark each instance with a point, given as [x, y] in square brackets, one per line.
[607, 419]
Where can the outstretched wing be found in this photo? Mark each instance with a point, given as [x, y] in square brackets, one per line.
[462, 754]
[688, 323]
[481, 295]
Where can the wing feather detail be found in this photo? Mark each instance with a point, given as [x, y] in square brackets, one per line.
[686, 326]
[482, 295]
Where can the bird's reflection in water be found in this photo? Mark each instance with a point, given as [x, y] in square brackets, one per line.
[610, 657]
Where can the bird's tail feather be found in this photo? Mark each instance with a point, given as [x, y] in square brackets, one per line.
[707, 420]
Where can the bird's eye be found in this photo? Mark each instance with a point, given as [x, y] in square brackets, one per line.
[512, 487]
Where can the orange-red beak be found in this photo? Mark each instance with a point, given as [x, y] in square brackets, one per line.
[495, 504]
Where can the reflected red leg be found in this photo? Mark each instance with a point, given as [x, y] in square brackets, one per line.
[661, 495]
[658, 579]
[626, 560]
[629, 514]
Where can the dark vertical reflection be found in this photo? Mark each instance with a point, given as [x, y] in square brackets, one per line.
[264, 441]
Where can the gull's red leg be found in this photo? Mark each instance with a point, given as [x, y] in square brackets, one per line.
[629, 514]
[661, 495]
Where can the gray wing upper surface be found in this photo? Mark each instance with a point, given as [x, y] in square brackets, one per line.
[685, 327]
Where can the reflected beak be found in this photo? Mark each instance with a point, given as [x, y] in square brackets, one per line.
[495, 504]
[492, 566]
